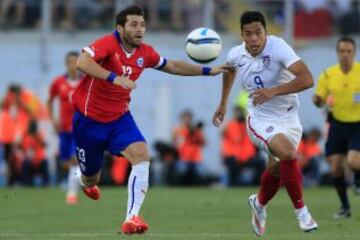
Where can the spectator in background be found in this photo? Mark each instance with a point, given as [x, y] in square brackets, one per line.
[8, 133]
[189, 140]
[346, 13]
[179, 15]
[20, 99]
[17, 109]
[164, 14]
[195, 11]
[35, 162]
[222, 10]
[238, 152]
[312, 19]
[15, 116]
[168, 154]
[19, 12]
[83, 14]
[310, 156]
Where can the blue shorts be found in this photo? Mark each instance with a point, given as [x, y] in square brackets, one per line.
[67, 146]
[92, 138]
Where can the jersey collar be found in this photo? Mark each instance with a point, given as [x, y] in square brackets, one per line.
[118, 38]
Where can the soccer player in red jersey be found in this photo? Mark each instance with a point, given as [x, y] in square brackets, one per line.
[103, 121]
[62, 88]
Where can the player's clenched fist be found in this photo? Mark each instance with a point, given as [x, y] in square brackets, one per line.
[219, 115]
[125, 82]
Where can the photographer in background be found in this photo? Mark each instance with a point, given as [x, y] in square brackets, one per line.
[189, 140]
[35, 163]
[239, 153]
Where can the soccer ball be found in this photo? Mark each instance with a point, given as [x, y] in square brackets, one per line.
[203, 45]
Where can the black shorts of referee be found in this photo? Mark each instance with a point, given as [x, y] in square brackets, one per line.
[342, 137]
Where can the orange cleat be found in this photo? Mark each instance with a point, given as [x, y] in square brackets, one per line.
[135, 225]
[92, 192]
[72, 199]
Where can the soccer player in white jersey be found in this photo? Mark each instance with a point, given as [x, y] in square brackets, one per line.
[272, 73]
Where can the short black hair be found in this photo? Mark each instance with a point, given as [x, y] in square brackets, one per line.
[131, 10]
[252, 16]
[345, 39]
[14, 88]
[186, 112]
[71, 54]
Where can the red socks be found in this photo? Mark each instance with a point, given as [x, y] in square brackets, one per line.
[268, 188]
[292, 179]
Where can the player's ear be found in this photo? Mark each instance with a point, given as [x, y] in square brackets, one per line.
[119, 28]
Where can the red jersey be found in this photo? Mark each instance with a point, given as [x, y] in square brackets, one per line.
[63, 88]
[101, 100]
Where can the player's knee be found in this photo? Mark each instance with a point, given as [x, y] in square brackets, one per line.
[354, 164]
[140, 156]
[288, 154]
[273, 167]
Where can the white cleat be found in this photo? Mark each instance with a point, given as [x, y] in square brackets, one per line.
[258, 220]
[306, 222]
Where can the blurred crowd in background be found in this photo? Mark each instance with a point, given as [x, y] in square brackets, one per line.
[24, 155]
[319, 18]
[178, 162]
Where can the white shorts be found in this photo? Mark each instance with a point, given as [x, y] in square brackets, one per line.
[261, 131]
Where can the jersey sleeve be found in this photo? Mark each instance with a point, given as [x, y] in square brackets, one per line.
[286, 54]
[101, 48]
[53, 92]
[153, 59]
[231, 57]
[322, 89]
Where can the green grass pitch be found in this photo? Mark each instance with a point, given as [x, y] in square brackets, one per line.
[173, 213]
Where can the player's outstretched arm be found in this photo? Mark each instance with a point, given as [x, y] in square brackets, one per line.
[228, 80]
[186, 69]
[90, 67]
[303, 80]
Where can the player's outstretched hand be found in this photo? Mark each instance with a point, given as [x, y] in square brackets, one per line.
[125, 82]
[261, 95]
[219, 115]
[221, 69]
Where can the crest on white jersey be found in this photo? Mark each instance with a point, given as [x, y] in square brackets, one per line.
[140, 61]
[266, 60]
[269, 129]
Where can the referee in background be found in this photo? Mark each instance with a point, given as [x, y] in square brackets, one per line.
[341, 82]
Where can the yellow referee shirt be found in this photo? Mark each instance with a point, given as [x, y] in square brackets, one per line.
[345, 91]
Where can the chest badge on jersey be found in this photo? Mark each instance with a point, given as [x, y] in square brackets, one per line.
[140, 61]
[269, 129]
[266, 60]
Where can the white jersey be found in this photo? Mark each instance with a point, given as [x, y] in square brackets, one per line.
[267, 70]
